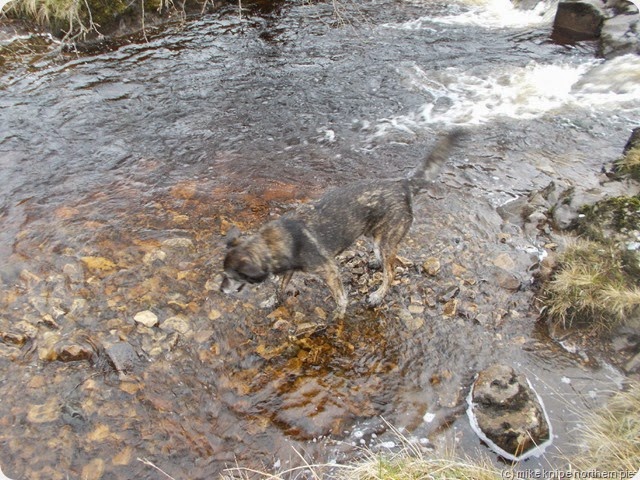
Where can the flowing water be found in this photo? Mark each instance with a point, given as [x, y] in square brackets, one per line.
[122, 171]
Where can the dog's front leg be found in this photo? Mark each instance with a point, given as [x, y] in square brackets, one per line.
[286, 278]
[331, 275]
[278, 297]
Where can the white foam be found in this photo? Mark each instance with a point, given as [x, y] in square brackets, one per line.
[502, 14]
[461, 97]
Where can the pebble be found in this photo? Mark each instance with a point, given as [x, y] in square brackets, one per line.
[178, 324]
[431, 266]
[122, 355]
[72, 352]
[504, 261]
[146, 318]
[179, 243]
[450, 308]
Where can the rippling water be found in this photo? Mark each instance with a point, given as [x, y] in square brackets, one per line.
[122, 171]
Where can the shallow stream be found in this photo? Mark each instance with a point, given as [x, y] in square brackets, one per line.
[123, 170]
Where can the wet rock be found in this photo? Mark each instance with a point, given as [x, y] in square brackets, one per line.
[450, 308]
[177, 324]
[123, 356]
[578, 20]
[47, 412]
[146, 318]
[29, 278]
[73, 273]
[633, 142]
[507, 414]
[154, 257]
[431, 266]
[504, 261]
[69, 351]
[449, 294]
[178, 243]
[507, 280]
[620, 35]
[13, 338]
[94, 469]
[98, 265]
[411, 322]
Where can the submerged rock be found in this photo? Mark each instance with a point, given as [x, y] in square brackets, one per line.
[122, 356]
[507, 414]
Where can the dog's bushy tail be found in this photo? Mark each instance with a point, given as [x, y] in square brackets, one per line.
[434, 161]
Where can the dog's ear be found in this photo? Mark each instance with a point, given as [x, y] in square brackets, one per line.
[232, 238]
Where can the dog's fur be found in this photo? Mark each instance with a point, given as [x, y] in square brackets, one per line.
[309, 239]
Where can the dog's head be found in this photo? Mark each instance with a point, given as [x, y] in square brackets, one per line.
[243, 264]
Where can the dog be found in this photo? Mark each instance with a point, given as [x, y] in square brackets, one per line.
[309, 239]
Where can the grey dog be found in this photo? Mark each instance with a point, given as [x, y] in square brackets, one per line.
[309, 239]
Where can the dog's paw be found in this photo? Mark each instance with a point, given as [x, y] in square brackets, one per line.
[270, 302]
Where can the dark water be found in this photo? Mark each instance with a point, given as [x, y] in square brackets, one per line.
[122, 171]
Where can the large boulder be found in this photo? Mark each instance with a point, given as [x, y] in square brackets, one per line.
[578, 20]
[507, 414]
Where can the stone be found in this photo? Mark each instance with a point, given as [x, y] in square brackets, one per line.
[504, 261]
[123, 357]
[450, 308]
[619, 36]
[633, 142]
[177, 324]
[146, 318]
[507, 414]
[578, 20]
[98, 264]
[507, 280]
[66, 351]
[431, 266]
[178, 243]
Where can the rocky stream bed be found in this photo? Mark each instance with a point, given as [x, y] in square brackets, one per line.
[126, 169]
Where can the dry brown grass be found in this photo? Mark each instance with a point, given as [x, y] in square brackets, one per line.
[612, 435]
[590, 288]
[630, 163]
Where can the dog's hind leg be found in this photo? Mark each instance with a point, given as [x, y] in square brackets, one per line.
[387, 246]
[331, 275]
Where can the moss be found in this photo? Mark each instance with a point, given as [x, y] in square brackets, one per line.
[103, 12]
[618, 215]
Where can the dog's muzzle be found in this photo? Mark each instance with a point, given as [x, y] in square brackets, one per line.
[230, 285]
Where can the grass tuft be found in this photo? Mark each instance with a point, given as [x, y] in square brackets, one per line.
[629, 164]
[612, 435]
[591, 287]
